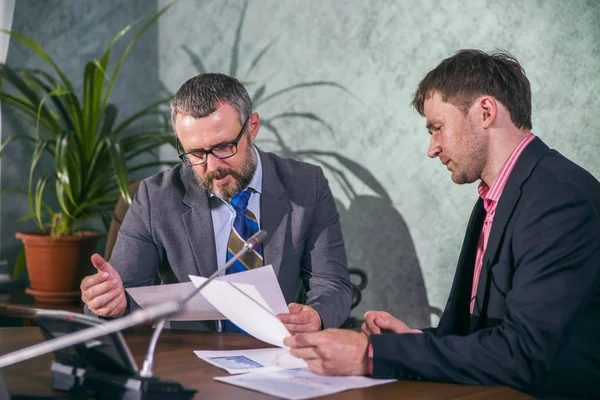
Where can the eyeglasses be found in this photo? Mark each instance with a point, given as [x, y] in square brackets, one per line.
[225, 150]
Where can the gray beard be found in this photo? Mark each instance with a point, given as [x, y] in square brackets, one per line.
[242, 178]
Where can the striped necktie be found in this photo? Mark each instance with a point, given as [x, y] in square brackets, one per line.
[244, 226]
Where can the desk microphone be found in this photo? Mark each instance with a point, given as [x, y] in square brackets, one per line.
[250, 245]
[146, 315]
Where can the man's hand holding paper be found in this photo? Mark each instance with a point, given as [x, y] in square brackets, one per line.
[301, 318]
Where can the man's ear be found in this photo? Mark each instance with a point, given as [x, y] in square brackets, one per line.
[253, 125]
[487, 109]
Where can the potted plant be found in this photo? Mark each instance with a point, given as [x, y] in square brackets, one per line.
[86, 153]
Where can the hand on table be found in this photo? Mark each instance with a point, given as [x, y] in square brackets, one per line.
[332, 351]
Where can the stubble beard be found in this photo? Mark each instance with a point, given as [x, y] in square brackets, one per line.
[469, 168]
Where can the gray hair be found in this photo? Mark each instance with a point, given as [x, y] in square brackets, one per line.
[201, 95]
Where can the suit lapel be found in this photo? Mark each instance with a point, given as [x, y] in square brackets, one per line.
[198, 226]
[504, 210]
[274, 207]
[455, 319]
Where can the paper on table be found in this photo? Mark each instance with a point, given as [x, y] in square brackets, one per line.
[299, 384]
[255, 360]
[243, 305]
[199, 308]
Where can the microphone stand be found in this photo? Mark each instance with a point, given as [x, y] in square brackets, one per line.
[149, 314]
[250, 245]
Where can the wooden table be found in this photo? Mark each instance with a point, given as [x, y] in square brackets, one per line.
[175, 360]
[23, 306]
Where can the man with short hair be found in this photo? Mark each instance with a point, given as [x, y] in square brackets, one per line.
[194, 217]
[524, 309]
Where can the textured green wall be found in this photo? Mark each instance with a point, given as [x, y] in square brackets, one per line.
[406, 232]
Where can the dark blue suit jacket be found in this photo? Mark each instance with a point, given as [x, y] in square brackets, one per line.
[536, 323]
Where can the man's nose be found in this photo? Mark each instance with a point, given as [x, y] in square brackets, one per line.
[213, 163]
[434, 148]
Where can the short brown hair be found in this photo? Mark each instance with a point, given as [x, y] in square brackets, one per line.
[201, 95]
[468, 74]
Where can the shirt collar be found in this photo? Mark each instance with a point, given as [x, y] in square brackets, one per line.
[491, 195]
[256, 182]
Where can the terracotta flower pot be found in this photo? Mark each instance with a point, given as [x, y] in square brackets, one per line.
[56, 266]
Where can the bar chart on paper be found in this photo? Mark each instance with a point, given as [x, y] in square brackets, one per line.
[235, 362]
[254, 360]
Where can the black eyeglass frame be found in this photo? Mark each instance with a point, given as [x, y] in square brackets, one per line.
[184, 157]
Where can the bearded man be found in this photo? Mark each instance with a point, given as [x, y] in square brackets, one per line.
[193, 217]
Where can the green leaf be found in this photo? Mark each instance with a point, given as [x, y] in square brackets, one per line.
[8, 141]
[118, 161]
[148, 110]
[37, 49]
[20, 264]
[39, 193]
[110, 116]
[40, 147]
[128, 49]
[32, 75]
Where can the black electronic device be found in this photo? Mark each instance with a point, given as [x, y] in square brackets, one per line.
[102, 367]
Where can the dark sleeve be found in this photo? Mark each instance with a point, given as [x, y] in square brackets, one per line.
[324, 267]
[555, 244]
[135, 256]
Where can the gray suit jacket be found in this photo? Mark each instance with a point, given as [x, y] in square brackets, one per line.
[168, 229]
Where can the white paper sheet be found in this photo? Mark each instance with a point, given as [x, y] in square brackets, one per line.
[299, 384]
[263, 279]
[243, 305]
[255, 360]
[199, 308]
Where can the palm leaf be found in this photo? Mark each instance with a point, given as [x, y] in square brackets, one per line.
[32, 75]
[148, 110]
[128, 49]
[38, 201]
[118, 162]
[39, 51]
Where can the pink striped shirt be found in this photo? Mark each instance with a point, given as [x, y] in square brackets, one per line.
[490, 196]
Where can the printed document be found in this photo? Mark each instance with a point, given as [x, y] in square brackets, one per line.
[255, 360]
[299, 384]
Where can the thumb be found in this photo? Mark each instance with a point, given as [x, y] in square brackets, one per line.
[383, 322]
[100, 264]
[295, 307]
